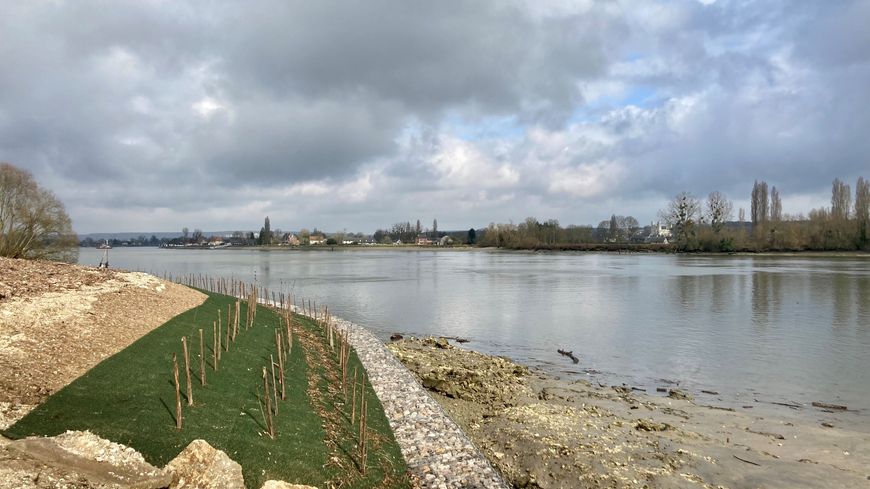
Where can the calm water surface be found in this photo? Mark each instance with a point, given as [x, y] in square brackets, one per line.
[781, 329]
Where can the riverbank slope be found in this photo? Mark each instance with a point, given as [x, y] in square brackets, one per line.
[57, 321]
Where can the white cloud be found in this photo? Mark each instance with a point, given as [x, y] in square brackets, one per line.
[459, 163]
[588, 180]
[206, 106]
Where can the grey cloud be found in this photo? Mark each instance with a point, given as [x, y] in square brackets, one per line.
[426, 55]
[102, 95]
[297, 140]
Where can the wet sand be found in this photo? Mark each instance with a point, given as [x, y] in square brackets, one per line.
[544, 431]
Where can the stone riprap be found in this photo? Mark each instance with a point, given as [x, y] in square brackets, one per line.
[437, 452]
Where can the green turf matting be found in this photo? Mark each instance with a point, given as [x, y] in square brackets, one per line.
[129, 398]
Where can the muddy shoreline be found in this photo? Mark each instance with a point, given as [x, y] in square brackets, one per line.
[540, 430]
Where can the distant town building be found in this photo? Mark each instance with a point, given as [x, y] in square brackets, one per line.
[293, 240]
[317, 239]
[659, 233]
[423, 241]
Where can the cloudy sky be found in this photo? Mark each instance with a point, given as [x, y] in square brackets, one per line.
[154, 115]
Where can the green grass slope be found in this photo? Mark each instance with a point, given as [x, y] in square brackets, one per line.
[129, 398]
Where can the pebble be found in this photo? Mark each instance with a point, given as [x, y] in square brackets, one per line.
[437, 451]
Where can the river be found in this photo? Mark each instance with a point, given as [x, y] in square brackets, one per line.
[790, 329]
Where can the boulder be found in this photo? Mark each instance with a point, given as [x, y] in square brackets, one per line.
[82, 459]
[202, 466]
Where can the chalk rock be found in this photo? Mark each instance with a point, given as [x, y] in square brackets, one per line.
[82, 459]
[284, 485]
[202, 466]
[679, 394]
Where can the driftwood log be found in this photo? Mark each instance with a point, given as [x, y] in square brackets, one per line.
[826, 405]
[569, 354]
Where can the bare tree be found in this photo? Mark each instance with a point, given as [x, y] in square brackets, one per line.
[759, 210]
[719, 210]
[614, 228]
[33, 222]
[627, 225]
[775, 205]
[741, 215]
[841, 200]
[862, 209]
[682, 216]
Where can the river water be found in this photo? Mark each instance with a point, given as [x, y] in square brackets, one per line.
[755, 329]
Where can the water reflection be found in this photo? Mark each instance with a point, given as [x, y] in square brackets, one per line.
[842, 301]
[863, 306]
[766, 297]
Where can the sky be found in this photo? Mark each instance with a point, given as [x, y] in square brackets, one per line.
[154, 115]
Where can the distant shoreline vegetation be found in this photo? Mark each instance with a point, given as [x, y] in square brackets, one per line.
[686, 225]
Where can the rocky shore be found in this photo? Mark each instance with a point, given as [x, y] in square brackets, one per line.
[438, 454]
[543, 431]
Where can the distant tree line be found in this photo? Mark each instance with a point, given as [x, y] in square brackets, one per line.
[531, 234]
[407, 233]
[140, 240]
[707, 226]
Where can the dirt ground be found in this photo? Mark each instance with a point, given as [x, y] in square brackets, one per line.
[58, 320]
[542, 431]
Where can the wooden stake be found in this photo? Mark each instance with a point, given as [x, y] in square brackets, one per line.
[269, 421]
[329, 333]
[278, 345]
[281, 366]
[219, 340]
[274, 386]
[289, 335]
[187, 371]
[227, 342]
[178, 414]
[236, 319]
[201, 359]
[214, 349]
[362, 426]
[353, 401]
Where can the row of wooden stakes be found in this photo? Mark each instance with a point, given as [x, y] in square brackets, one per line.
[221, 339]
[269, 401]
[344, 350]
[273, 382]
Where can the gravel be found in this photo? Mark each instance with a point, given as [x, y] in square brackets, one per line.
[437, 451]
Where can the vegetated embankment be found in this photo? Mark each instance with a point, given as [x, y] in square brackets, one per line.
[269, 390]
